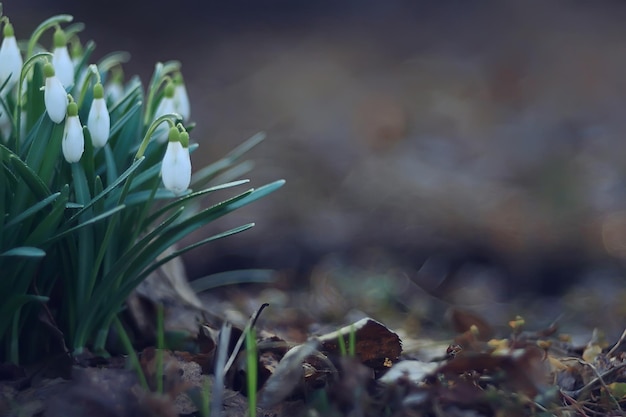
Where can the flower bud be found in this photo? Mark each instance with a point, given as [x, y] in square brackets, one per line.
[99, 121]
[114, 89]
[54, 95]
[166, 106]
[181, 98]
[176, 166]
[73, 138]
[10, 58]
[61, 60]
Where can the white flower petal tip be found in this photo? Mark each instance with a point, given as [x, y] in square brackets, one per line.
[166, 106]
[10, 59]
[99, 121]
[181, 98]
[61, 60]
[54, 95]
[73, 144]
[176, 166]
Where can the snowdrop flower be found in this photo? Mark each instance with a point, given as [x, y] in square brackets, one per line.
[166, 106]
[54, 95]
[114, 89]
[61, 60]
[181, 98]
[10, 58]
[176, 166]
[73, 138]
[99, 121]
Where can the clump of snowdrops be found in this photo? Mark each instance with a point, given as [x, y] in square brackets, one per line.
[95, 184]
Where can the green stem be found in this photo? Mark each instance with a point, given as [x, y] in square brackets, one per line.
[146, 139]
[160, 347]
[45, 25]
[131, 352]
[30, 62]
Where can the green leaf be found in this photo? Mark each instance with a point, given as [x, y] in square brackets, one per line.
[110, 188]
[25, 252]
[32, 180]
[92, 220]
[182, 200]
[240, 276]
[32, 210]
[49, 225]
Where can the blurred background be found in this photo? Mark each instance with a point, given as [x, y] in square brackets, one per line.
[473, 149]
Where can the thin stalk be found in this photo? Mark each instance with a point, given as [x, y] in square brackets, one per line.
[132, 355]
[160, 347]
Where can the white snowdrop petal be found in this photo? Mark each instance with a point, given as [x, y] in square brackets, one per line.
[55, 99]
[99, 122]
[63, 65]
[10, 62]
[73, 144]
[166, 106]
[114, 92]
[176, 168]
[181, 101]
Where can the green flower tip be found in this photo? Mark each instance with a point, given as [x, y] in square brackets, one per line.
[72, 109]
[117, 75]
[48, 70]
[98, 91]
[8, 30]
[169, 89]
[174, 135]
[77, 48]
[178, 78]
[59, 40]
[184, 139]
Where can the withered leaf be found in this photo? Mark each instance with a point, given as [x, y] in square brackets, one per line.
[289, 373]
[375, 345]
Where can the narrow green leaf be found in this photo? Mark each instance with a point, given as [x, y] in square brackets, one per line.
[92, 220]
[25, 252]
[182, 200]
[32, 180]
[240, 276]
[32, 210]
[107, 190]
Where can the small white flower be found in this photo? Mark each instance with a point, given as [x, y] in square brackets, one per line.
[176, 165]
[166, 106]
[99, 121]
[54, 95]
[73, 138]
[114, 89]
[10, 58]
[181, 98]
[61, 60]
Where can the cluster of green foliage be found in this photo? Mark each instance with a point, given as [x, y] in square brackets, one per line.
[77, 238]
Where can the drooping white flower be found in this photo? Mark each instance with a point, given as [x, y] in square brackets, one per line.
[181, 98]
[176, 165]
[166, 106]
[10, 58]
[73, 144]
[114, 89]
[99, 121]
[61, 60]
[54, 95]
